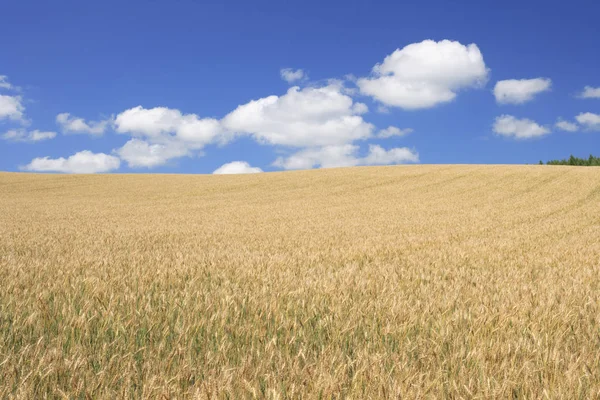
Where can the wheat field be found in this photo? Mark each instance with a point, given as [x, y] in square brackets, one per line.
[371, 282]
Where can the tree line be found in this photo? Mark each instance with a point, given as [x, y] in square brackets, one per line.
[591, 161]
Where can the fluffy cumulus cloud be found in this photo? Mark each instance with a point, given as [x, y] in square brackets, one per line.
[141, 154]
[21, 135]
[509, 126]
[84, 162]
[379, 156]
[590, 93]
[589, 120]
[519, 91]
[290, 75]
[393, 131]
[161, 122]
[237, 167]
[360, 108]
[313, 116]
[566, 126]
[425, 74]
[325, 157]
[11, 108]
[322, 123]
[161, 134]
[309, 117]
[345, 156]
[72, 124]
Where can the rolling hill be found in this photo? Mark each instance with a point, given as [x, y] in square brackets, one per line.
[411, 281]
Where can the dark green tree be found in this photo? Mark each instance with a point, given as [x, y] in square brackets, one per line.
[591, 161]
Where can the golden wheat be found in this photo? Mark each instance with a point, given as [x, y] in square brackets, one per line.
[377, 282]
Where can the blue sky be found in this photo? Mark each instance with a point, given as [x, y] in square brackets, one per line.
[190, 87]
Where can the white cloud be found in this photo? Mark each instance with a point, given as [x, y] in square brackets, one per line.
[422, 75]
[166, 122]
[590, 93]
[37, 135]
[325, 157]
[289, 75]
[237, 167]
[315, 116]
[139, 153]
[393, 131]
[566, 126]
[11, 108]
[72, 124]
[519, 91]
[167, 134]
[379, 156]
[21, 135]
[302, 118]
[589, 120]
[345, 156]
[84, 162]
[4, 83]
[383, 109]
[153, 122]
[323, 119]
[360, 108]
[507, 125]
